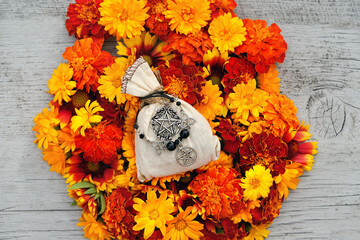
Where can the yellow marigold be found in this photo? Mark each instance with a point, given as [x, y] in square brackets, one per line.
[110, 81]
[227, 32]
[211, 104]
[289, 179]
[66, 139]
[184, 227]
[123, 18]
[93, 229]
[155, 212]
[188, 16]
[60, 85]
[257, 183]
[85, 116]
[258, 232]
[280, 113]
[245, 100]
[55, 156]
[269, 81]
[44, 127]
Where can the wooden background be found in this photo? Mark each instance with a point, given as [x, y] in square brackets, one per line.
[320, 73]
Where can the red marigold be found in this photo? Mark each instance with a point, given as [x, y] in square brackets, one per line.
[219, 191]
[88, 62]
[83, 19]
[157, 23]
[119, 214]
[239, 70]
[183, 81]
[264, 45]
[112, 112]
[100, 143]
[229, 132]
[192, 47]
[220, 7]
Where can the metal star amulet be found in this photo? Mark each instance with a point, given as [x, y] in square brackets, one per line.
[165, 123]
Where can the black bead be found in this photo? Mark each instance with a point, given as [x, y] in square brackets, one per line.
[184, 133]
[136, 126]
[142, 136]
[178, 103]
[172, 100]
[177, 142]
[179, 138]
[170, 146]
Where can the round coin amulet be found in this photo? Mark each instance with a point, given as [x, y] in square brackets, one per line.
[171, 146]
[184, 133]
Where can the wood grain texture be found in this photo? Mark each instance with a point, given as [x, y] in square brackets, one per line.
[320, 74]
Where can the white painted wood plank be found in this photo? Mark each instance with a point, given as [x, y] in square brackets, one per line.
[320, 73]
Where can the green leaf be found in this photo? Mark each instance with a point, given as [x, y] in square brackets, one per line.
[82, 185]
[90, 191]
[74, 203]
[96, 196]
[102, 204]
[219, 230]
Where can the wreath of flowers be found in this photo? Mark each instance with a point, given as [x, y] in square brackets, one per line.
[224, 67]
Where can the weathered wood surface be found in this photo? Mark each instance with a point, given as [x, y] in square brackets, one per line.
[320, 73]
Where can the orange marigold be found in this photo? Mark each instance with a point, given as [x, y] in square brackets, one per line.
[92, 228]
[220, 7]
[280, 113]
[157, 23]
[219, 191]
[192, 47]
[264, 45]
[55, 156]
[88, 62]
[269, 81]
[118, 215]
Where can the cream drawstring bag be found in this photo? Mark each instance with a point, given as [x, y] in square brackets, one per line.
[171, 136]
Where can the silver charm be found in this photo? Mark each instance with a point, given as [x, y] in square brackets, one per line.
[185, 156]
[166, 123]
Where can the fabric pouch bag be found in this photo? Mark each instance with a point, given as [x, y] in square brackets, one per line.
[171, 136]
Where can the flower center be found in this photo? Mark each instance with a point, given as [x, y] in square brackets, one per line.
[123, 15]
[187, 13]
[92, 167]
[88, 12]
[180, 225]
[224, 34]
[159, 8]
[177, 87]
[205, 100]
[117, 82]
[79, 99]
[78, 64]
[154, 214]
[255, 183]
[148, 59]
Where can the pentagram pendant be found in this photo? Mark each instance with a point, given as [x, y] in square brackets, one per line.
[185, 156]
[166, 123]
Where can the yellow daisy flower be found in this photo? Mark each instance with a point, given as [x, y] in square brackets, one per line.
[258, 232]
[123, 18]
[188, 16]
[183, 226]
[289, 179]
[227, 32]
[211, 104]
[245, 100]
[85, 116]
[153, 213]
[60, 85]
[257, 183]
[269, 81]
[92, 228]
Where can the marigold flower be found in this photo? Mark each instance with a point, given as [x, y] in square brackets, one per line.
[123, 18]
[60, 85]
[66, 138]
[85, 116]
[187, 15]
[44, 127]
[146, 46]
[191, 47]
[218, 190]
[269, 81]
[214, 62]
[157, 23]
[246, 100]
[220, 7]
[118, 215]
[258, 232]
[100, 143]
[183, 226]
[244, 213]
[88, 62]
[83, 19]
[85, 201]
[264, 45]
[92, 228]
[229, 132]
[227, 32]
[55, 156]
[155, 212]
[172, 178]
[257, 183]
[239, 70]
[223, 160]
[280, 113]
[289, 179]
[211, 104]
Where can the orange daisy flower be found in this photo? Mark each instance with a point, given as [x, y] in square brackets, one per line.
[88, 62]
